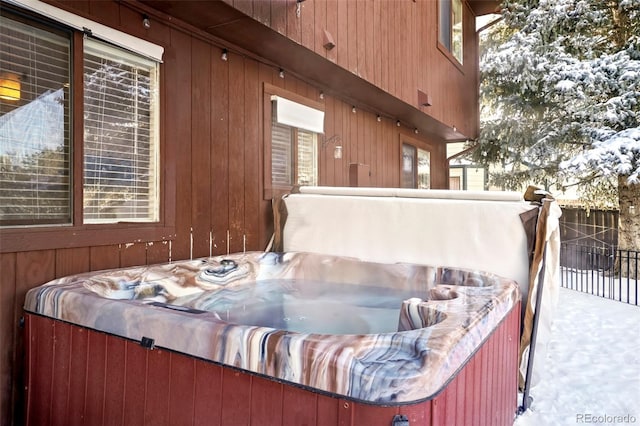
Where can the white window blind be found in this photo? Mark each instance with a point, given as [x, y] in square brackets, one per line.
[297, 115]
[120, 135]
[281, 154]
[307, 158]
[35, 171]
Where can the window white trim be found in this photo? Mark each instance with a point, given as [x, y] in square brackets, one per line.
[119, 38]
[297, 115]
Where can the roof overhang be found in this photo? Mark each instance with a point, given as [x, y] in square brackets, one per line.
[484, 7]
[228, 25]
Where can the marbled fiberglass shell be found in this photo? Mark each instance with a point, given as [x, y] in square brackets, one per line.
[446, 320]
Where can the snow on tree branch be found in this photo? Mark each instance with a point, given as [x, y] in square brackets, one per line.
[617, 153]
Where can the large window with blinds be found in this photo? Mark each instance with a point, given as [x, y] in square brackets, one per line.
[35, 147]
[118, 176]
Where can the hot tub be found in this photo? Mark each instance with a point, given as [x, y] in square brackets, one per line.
[332, 333]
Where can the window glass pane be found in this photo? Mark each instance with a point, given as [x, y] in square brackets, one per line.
[456, 30]
[281, 152]
[424, 169]
[444, 28]
[120, 135]
[307, 158]
[292, 162]
[408, 166]
[34, 124]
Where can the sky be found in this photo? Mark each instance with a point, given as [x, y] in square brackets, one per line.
[591, 373]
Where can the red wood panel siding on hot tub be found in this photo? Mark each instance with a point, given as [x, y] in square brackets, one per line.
[76, 376]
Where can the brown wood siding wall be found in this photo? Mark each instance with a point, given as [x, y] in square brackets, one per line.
[82, 377]
[390, 43]
[211, 128]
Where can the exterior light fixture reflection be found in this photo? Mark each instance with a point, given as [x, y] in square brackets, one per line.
[337, 152]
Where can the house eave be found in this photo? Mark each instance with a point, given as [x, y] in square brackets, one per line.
[230, 25]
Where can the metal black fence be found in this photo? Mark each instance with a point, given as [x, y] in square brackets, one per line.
[603, 271]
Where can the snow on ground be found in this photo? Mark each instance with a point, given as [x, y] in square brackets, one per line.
[592, 369]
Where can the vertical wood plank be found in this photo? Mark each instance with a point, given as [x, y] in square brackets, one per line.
[109, 13]
[461, 401]
[262, 12]
[41, 370]
[377, 415]
[451, 409]
[469, 389]
[377, 57]
[61, 362]
[266, 402]
[32, 269]
[299, 407]
[133, 254]
[220, 154]
[156, 407]
[201, 94]
[182, 390]
[96, 377]
[72, 261]
[7, 333]
[332, 28]
[178, 134]
[235, 397]
[114, 389]
[384, 44]
[252, 144]
[279, 16]
[342, 41]
[236, 153]
[208, 395]
[327, 410]
[345, 413]
[369, 41]
[104, 257]
[352, 36]
[294, 28]
[158, 252]
[360, 31]
[135, 385]
[308, 23]
[316, 29]
[77, 376]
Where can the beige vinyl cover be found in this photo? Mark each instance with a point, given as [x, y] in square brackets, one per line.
[475, 230]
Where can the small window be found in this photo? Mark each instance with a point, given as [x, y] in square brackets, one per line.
[450, 27]
[416, 167]
[35, 147]
[120, 135]
[294, 153]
